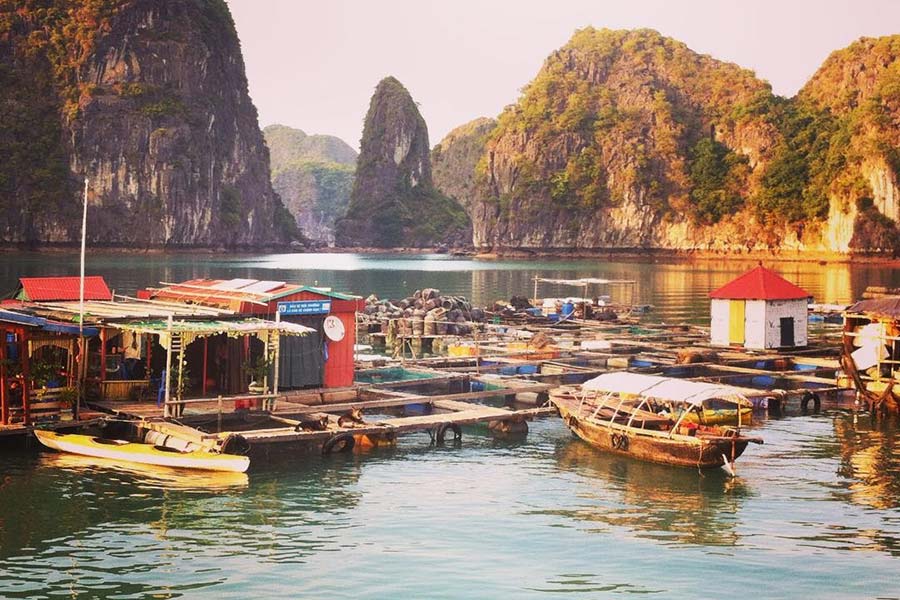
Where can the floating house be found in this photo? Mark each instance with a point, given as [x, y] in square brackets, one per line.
[325, 358]
[131, 344]
[37, 365]
[871, 351]
[759, 310]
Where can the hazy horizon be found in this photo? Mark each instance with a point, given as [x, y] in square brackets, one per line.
[314, 66]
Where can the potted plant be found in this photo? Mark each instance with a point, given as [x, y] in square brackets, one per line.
[67, 398]
[257, 372]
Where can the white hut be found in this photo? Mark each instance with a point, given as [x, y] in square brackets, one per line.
[759, 310]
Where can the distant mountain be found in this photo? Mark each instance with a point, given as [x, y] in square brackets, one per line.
[630, 140]
[313, 174]
[394, 202]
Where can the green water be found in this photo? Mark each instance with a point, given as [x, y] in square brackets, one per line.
[814, 513]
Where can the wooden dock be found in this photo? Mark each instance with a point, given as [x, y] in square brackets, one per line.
[377, 414]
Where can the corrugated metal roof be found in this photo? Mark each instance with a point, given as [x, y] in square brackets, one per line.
[888, 307]
[759, 284]
[49, 289]
[211, 291]
[45, 324]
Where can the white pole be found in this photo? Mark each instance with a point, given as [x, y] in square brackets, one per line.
[82, 367]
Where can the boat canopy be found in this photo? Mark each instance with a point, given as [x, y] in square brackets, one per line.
[582, 282]
[665, 388]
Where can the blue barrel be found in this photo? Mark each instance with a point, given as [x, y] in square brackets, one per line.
[567, 309]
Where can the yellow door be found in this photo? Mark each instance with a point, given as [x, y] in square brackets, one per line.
[736, 312]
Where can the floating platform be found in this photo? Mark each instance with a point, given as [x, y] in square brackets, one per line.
[338, 420]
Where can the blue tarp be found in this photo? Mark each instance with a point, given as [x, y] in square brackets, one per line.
[46, 325]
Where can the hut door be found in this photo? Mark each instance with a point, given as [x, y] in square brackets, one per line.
[736, 313]
[787, 332]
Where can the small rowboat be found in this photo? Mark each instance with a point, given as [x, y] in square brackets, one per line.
[147, 454]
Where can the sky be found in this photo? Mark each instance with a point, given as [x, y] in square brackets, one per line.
[314, 64]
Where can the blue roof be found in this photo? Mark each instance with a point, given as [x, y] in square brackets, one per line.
[45, 324]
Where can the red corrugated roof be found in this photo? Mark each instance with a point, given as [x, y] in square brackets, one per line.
[48, 289]
[759, 284]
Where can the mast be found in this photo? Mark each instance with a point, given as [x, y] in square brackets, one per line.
[82, 366]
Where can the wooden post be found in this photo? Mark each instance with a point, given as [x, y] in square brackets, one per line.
[266, 348]
[4, 402]
[180, 384]
[102, 356]
[168, 373]
[277, 358]
[26, 376]
[205, 362]
[149, 356]
[477, 348]
[219, 430]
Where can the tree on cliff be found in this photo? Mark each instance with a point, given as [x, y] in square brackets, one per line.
[394, 202]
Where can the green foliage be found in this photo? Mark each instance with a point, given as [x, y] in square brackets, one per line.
[166, 107]
[805, 162]
[286, 225]
[716, 173]
[231, 209]
[34, 171]
[582, 184]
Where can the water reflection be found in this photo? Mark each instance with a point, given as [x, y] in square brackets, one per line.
[869, 460]
[69, 525]
[677, 289]
[145, 476]
[670, 505]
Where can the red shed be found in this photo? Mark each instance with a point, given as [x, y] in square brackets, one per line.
[325, 360]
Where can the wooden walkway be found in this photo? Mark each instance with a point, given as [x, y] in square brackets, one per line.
[296, 422]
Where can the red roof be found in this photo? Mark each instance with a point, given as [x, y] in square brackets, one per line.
[759, 284]
[48, 289]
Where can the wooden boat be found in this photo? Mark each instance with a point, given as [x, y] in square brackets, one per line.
[617, 412]
[147, 454]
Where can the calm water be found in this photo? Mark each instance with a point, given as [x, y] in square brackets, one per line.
[815, 512]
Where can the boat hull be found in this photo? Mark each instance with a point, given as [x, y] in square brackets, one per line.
[147, 454]
[678, 450]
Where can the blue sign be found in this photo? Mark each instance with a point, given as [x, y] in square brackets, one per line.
[305, 307]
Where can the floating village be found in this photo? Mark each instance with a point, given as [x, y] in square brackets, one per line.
[224, 374]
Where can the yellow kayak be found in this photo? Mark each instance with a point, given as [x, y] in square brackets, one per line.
[142, 453]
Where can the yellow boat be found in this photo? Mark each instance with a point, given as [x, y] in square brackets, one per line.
[147, 454]
[703, 415]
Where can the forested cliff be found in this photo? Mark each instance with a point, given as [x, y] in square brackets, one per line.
[148, 100]
[394, 202]
[630, 140]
